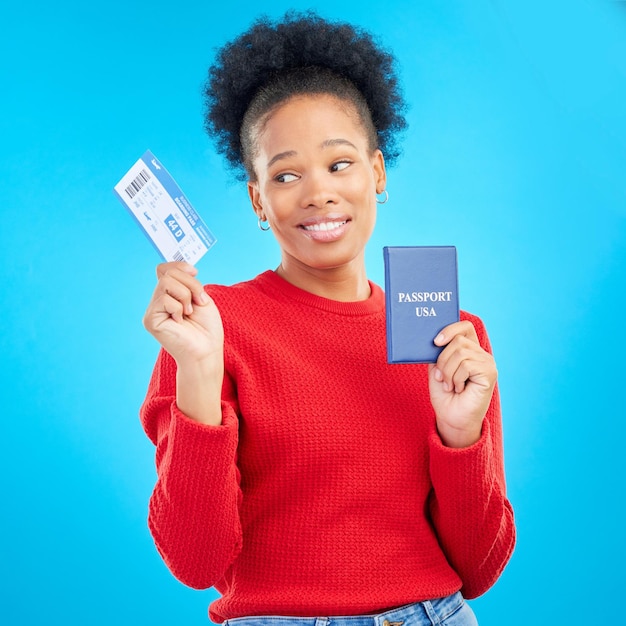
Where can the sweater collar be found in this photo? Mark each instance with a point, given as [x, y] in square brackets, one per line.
[272, 284]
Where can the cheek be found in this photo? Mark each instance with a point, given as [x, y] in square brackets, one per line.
[276, 209]
[368, 198]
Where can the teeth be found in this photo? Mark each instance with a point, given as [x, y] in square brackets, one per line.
[325, 226]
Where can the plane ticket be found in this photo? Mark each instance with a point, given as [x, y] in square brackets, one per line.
[166, 216]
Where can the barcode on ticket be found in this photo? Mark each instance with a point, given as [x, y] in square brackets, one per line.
[137, 184]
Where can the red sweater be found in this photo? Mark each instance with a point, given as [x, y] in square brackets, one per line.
[326, 490]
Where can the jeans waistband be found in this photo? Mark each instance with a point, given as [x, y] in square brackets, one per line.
[415, 614]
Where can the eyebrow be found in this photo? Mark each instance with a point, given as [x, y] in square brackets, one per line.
[337, 142]
[328, 143]
[281, 155]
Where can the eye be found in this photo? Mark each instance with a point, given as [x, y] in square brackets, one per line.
[340, 165]
[285, 178]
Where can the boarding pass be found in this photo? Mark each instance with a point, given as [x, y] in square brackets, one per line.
[163, 212]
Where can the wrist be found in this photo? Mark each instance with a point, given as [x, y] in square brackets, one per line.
[199, 390]
[457, 437]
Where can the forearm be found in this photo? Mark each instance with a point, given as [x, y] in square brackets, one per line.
[194, 508]
[471, 514]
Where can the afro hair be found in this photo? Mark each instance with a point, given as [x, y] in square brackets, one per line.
[300, 41]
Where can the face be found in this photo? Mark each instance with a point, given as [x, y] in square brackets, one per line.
[316, 184]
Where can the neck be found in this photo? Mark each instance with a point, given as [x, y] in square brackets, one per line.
[344, 284]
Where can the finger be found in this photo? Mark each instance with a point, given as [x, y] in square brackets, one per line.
[464, 328]
[455, 377]
[458, 343]
[458, 362]
[170, 286]
[462, 374]
[164, 268]
[174, 276]
[437, 372]
[162, 308]
[478, 369]
[173, 307]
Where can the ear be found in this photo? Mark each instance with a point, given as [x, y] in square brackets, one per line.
[255, 199]
[380, 173]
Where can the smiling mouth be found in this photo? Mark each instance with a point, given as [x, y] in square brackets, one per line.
[324, 226]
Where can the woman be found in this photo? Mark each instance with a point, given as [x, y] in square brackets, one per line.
[298, 472]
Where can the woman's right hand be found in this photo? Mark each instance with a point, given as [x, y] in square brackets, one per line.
[182, 317]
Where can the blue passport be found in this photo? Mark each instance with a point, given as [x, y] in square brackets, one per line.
[422, 296]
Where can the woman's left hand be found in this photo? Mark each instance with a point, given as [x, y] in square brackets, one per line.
[461, 384]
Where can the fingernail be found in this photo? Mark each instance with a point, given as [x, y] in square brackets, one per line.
[439, 338]
[438, 374]
[446, 387]
[204, 299]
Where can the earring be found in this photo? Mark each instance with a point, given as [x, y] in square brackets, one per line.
[385, 199]
[260, 224]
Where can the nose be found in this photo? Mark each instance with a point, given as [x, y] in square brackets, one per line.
[318, 190]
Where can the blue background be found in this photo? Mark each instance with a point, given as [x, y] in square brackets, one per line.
[516, 154]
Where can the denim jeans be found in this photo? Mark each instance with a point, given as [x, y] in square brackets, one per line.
[449, 611]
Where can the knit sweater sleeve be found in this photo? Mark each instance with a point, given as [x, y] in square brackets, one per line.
[468, 504]
[194, 508]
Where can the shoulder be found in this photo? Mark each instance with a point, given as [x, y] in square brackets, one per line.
[479, 325]
[243, 303]
[233, 293]
[470, 317]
